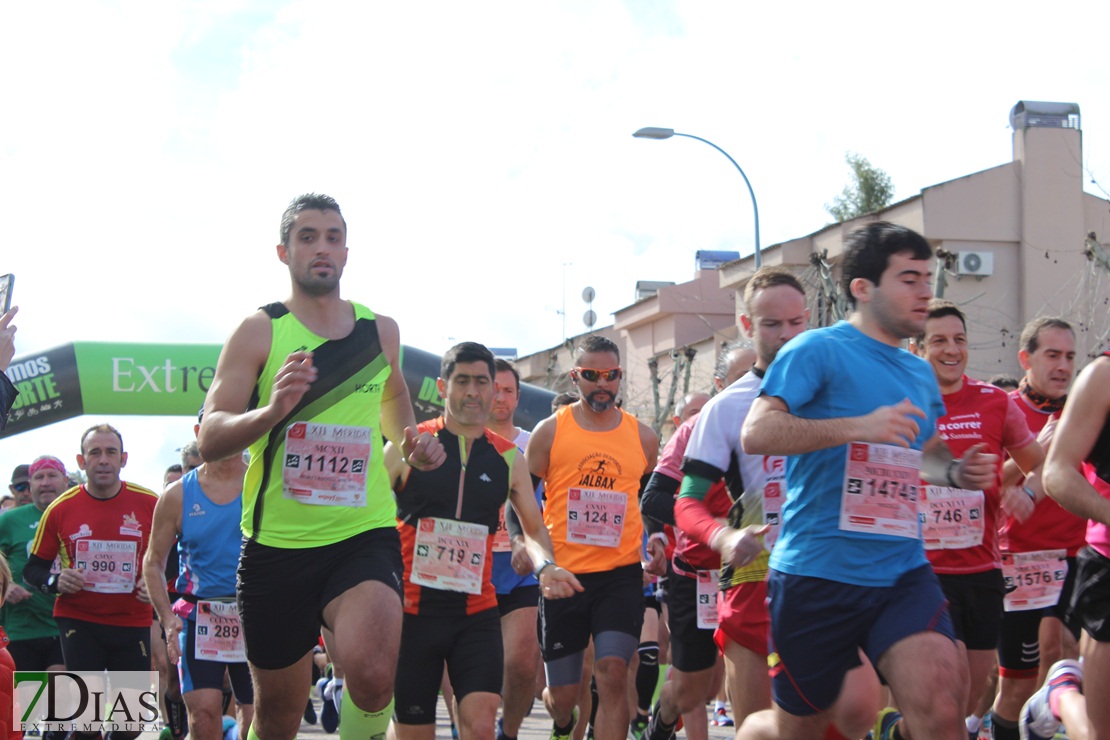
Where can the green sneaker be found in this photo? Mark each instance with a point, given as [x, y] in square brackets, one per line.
[557, 734]
[637, 727]
[884, 724]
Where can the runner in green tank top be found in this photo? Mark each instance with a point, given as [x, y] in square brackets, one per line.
[310, 385]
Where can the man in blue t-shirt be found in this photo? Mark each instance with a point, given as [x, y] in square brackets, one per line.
[856, 416]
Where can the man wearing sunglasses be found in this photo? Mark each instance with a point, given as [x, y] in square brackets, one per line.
[593, 459]
[21, 485]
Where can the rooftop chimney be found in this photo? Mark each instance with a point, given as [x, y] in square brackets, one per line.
[1039, 114]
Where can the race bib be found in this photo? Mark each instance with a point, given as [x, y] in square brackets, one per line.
[880, 490]
[219, 633]
[707, 600]
[595, 517]
[501, 536]
[326, 464]
[1033, 580]
[951, 518]
[107, 565]
[449, 555]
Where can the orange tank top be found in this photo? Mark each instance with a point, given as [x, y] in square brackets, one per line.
[593, 481]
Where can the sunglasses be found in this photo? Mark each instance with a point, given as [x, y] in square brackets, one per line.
[592, 375]
[21, 487]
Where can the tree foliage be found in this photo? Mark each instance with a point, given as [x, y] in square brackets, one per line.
[869, 191]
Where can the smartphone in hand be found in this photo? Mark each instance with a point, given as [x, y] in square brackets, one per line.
[6, 283]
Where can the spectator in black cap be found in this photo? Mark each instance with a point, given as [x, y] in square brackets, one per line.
[21, 485]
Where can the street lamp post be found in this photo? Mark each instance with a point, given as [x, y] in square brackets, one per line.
[652, 132]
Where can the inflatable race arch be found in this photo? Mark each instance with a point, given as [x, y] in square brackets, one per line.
[90, 378]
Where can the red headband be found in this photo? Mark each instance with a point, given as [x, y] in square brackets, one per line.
[46, 462]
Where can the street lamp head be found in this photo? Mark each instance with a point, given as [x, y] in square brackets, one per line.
[652, 132]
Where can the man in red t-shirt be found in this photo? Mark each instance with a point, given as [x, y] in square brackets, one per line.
[1039, 539]
[99, 531]
[960, 526]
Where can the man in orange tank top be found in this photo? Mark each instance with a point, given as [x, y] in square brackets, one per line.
[593, 459]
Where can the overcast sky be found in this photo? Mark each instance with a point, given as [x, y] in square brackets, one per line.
[481, 152]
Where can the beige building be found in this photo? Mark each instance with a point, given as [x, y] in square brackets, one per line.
[1014, 242]
[672, 334]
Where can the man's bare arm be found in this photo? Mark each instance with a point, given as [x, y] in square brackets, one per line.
[395, 466]
[228, 427]
[422, 451]
[770, 428]
[538, 453]
[976, 470]
[1084, 415]
[163, 537]
[649, 440]
[397, 412]
[555, 582]
[523, 499]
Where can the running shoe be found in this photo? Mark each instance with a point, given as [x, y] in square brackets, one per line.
[884, 724]
[637, 726]
[1037, 721]
[557, 735]
[656, 730]
[721, 718]
[329, 712]
[310, 712]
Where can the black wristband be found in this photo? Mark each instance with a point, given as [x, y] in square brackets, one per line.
[948, 473]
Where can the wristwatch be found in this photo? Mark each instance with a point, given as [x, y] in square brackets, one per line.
[51, 585]
[542, 565]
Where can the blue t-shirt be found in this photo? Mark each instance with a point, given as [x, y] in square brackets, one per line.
[833, 373]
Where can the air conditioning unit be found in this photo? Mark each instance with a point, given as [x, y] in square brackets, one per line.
[978, 264]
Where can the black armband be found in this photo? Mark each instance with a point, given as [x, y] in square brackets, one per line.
[512, 523]
[657, 501]
[37, 574]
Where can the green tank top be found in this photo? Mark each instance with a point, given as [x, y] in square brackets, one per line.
[318, 477]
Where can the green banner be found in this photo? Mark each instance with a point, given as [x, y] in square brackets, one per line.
[173, 379]
[147, 379]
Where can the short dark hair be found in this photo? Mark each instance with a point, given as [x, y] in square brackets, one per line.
[867, 252]
[171, 470]
[720, 370]
[596, 343]
[101, 428]
[307, 202]
[1031, 334]
[504, 365]
[466, 352]
[1005, 382]
[563, 399]
[939, 308]
[769, 277]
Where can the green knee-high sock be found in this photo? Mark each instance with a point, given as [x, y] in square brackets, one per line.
[251, 734]
[357, 724]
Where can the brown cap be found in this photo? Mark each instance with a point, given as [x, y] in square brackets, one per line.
[21, 474]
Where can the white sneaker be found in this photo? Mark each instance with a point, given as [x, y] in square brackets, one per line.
[1037, 721]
